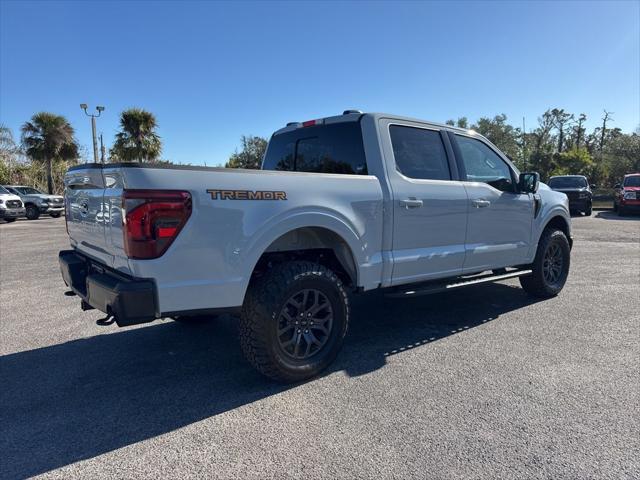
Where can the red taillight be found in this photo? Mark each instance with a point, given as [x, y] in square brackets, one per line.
[309, 123]
[153, 219]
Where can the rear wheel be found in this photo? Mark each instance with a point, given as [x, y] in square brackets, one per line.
[550, 266]
[32, 212]
[294, 320]
[56, 215]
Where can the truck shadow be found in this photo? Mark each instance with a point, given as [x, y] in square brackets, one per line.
[611, 215]
[74, 401]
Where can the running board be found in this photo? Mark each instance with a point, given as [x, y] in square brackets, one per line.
[440, 287]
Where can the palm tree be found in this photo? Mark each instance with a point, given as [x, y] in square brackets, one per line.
[137, 141]
[47, 138]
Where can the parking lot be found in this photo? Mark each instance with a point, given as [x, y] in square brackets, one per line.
[481, 383]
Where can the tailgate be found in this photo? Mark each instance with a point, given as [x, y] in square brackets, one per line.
[93, 199]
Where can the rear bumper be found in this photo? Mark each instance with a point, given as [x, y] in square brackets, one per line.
[130, 300]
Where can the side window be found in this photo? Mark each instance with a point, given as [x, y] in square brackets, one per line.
[483, 164]
[419, 153]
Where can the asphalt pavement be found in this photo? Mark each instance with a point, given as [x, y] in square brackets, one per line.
[481, 383]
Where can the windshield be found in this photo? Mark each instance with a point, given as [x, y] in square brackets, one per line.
[28, 191]
[632, 181]
[4, 190]
[568, 182]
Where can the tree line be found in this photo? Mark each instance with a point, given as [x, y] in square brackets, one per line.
[558, 145]
[561, 145]
[48, 147]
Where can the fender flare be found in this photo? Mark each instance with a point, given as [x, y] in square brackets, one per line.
[275, 229]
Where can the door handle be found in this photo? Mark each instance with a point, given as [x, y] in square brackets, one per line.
[410, 203]
[481, 203]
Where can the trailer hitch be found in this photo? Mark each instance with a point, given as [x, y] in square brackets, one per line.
[108, 320]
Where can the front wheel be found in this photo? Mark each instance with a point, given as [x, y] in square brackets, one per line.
[589, 210]
[32, 212]
[56, 215]
[294, 320]
[550, 267]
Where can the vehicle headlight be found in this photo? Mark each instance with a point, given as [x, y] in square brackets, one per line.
[44, 204]
[629, 195]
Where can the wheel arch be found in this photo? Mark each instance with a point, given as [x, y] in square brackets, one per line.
[560, 222]
[319, 237]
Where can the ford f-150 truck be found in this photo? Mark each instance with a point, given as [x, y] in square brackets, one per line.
[342, 205]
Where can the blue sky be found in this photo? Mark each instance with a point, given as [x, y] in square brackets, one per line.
[212, 71]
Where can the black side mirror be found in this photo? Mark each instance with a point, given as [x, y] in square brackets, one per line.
[528, 182]
[593, 185]
[617, 186]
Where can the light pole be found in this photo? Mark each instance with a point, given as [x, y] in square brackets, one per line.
[99, 109]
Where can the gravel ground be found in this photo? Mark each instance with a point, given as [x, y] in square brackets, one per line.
[481, 383]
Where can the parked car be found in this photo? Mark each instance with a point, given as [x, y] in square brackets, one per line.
[627, 195]
[37, 202]
[577, 189]
[342, 205]
[11, 207]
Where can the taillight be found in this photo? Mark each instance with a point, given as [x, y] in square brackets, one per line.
[152, 221]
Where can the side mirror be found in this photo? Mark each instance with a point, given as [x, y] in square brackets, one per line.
[528, 182]
[593, 185]
[617, 186]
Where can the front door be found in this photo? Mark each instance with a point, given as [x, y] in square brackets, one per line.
[429, 205]
[500, 218]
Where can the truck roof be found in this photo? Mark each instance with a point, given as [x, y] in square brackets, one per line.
[354, 116]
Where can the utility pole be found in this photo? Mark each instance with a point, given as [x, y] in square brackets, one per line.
[102, 150]
[99, 109]
[524, 146]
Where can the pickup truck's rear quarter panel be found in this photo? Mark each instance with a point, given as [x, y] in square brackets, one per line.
[210, 263]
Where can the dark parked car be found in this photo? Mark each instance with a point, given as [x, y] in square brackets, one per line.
[577, 188]
[627, 195]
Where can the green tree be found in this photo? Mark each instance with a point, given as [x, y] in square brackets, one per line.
[501, 134]
[462, 122]
[561, 121]
[573, 162]
[49, 138]
[251, 154]
[137, 140]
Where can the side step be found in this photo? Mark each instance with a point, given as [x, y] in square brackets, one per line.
[443, 287]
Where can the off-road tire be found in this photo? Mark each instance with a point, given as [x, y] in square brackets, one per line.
[261, 316]
[536, 284]
[32, 212]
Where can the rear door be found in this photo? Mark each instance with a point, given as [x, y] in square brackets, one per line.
[87, 214]
[500, 218]
[429, 203]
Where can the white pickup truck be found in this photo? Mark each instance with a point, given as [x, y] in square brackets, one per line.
[342, 205]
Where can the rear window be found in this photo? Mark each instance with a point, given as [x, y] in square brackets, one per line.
[334, 148]
[567, 182]
[419, 153]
